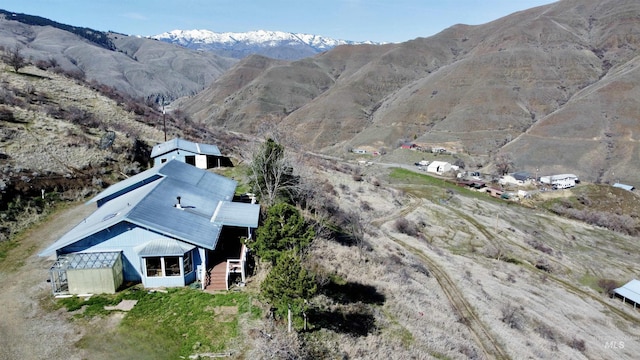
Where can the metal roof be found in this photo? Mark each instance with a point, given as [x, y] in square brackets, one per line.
[164, 247]
[624, 186]
[178, 170]
[181, 144]
[630, 290]
[204, 207]
[237, 214]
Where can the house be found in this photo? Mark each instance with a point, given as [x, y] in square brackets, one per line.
[203, 156]
[168, 226]
[624, 187]
[629, 292]
[510, 180]
[522, 176]
[494, 192]
[561, 181]
[439, 167]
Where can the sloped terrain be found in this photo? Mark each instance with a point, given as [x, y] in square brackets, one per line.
[143, 68]
[465, 276]
[552, 86]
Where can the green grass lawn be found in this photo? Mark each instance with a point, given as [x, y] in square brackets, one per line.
[169, 325]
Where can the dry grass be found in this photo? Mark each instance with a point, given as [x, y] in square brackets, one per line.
[489, 250]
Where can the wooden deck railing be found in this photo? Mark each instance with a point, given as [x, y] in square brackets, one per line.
[235, 266]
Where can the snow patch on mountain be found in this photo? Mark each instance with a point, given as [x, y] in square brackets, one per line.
[284, 45]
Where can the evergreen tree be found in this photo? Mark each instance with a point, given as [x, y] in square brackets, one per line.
[284, 229]
[289, 284]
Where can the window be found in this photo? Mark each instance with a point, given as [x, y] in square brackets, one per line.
[190, 159]
[172, 266]
[163, 266]
[163, 161]
[154, 266]
[188, 263]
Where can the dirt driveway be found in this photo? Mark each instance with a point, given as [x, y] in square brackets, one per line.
[27, 331]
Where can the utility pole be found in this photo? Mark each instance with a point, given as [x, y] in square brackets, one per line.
[164, 122]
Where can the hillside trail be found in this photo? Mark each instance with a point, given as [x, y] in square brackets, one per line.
[27, 330]
[482, 336]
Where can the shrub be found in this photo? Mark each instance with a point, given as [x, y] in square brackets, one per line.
[404, 226]
[511, 316]
[577, 344]
[607, 286]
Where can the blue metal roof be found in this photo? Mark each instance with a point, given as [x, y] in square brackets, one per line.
[204, 209]
[178, 170]
[181, 144]
[164, 247]
[237, 214]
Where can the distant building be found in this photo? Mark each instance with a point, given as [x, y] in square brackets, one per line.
[512, 180]
[561, 181]
[629, 292]
[408, 146]
[202, 156]
[624, 186]
[439, 167]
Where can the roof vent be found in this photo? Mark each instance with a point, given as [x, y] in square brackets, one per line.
[178, 203]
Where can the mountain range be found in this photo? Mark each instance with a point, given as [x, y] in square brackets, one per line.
[273, 44]
[553, 88]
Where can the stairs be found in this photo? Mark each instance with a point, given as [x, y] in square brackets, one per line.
[218, 277]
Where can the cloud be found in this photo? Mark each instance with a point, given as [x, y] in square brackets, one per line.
[135, 16]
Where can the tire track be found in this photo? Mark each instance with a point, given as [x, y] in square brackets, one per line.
[482, 336]
[489, 346]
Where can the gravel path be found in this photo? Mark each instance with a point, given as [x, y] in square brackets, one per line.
[27, 331]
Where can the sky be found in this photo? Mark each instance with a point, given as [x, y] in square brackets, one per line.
[355, 20]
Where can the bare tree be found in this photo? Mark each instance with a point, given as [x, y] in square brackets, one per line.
[14, 58]
[504, 163]
[271, 175]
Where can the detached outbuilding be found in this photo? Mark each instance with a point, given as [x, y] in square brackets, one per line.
[202, 156]
[629, 292]
[439, 167]
[624, 186]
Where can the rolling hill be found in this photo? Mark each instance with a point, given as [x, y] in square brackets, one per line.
[553, 87]
[143, 68]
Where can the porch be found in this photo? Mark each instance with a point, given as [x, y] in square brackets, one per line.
[224, 266]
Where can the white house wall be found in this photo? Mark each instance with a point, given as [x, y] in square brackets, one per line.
[179, 155]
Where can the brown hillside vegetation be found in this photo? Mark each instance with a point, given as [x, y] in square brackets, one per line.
[137, 66]
[553, 86]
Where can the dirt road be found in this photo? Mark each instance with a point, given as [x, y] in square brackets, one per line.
[27, 331]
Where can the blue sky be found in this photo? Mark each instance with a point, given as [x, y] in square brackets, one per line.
[358, 20]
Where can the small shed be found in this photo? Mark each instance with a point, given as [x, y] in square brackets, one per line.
[80, 273]
[202, 156]
[629, 292]
[439, 167]
[624, 186]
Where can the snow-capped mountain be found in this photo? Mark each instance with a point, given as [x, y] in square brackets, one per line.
[274, 44]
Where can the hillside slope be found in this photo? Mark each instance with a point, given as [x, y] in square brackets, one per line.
[543, 85]
[143, 68]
